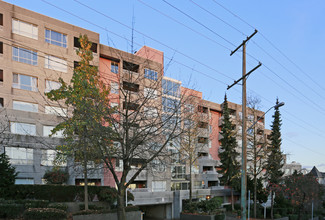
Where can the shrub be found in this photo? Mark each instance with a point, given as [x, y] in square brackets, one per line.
[237, 206]
[108, 195]
[220, 217]
[54, 193]
[35, 203]
[44, 213]
[10, 210]
[277, 216]
[56, 176]
[60, 206]
[88, 212]
[90, 207]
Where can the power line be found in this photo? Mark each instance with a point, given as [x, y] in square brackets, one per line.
[161, 43]
[273, 45]
[199, 22]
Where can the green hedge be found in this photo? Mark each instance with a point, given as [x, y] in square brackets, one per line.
[10, 210]
[91, 207]
[59, 193]
[103, 211]
[44, 213]
[60, 206]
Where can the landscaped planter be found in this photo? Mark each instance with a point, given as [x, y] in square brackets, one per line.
[187, 216]
[135, 215]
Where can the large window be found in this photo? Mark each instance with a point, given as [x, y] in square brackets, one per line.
[114, 67]
[171, 105]
[150, 93]
[25, 181]
[51, 85]
[48, 157]
[19, 155]
[178, 172]
[150, 74]
[55, 63]
[23, 128]
[158, 186]
[171, 88]
[114, 88]
[56, 111]
[24, 55]
[55, 38]
[180, 186]
[25, 106]
[47, 131]
[150, 111]
[24, 82]
[25, 29]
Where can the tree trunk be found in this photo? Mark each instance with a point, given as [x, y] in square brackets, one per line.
[86, 179]
[271, 204]
[190, 183]
[121, 204]
[255, 196]
[232, 199]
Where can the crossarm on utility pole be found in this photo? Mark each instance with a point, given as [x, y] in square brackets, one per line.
[244, 42]
[237, 81]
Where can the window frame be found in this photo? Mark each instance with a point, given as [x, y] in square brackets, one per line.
[20, 57]
[18, 30]
[19, 85]
[13, 156]
[52, 61]
[27, 105]
[56, 42]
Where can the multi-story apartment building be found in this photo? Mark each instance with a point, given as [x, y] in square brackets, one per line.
[35, 50]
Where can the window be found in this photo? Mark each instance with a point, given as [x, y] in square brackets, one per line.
[24, 29]
[114, 88]
[158, 186]
[25, 181]
[1, 19]
[55, 63]
[180, 186]
[202, 140]
[178, 172]
[171, 88]
[23, 128]
[150, 112]
[150, 93]
[158, 165]
[76, 43]
[55, 38]
[24, 55]
[130, 66]
[130, 86]
[25, 106]
[51, 85]
[48, 157]
[119, 165]
[20, 156]
[1, 103]
[171, 105]
[114, 67]
[1, 76]
[1, 47]
[24, 82]
[56, 111]
[114, 106]
[202, 109]
[47, 131]
[189, 108]
[150, 74]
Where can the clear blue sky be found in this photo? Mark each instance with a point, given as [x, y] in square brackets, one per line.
[295, 28]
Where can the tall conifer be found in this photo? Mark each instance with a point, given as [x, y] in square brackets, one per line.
[275, 160]
[230, 167]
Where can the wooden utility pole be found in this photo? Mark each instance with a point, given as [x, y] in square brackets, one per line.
[243, 193]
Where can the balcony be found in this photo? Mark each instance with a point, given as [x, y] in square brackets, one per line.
[203, 132]
[141, 176]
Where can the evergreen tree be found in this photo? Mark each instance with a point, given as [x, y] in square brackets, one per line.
[275, 160]
[230, 167]
[7, 172]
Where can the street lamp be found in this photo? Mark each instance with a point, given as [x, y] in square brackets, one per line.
[276, 106]
[244, 158]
